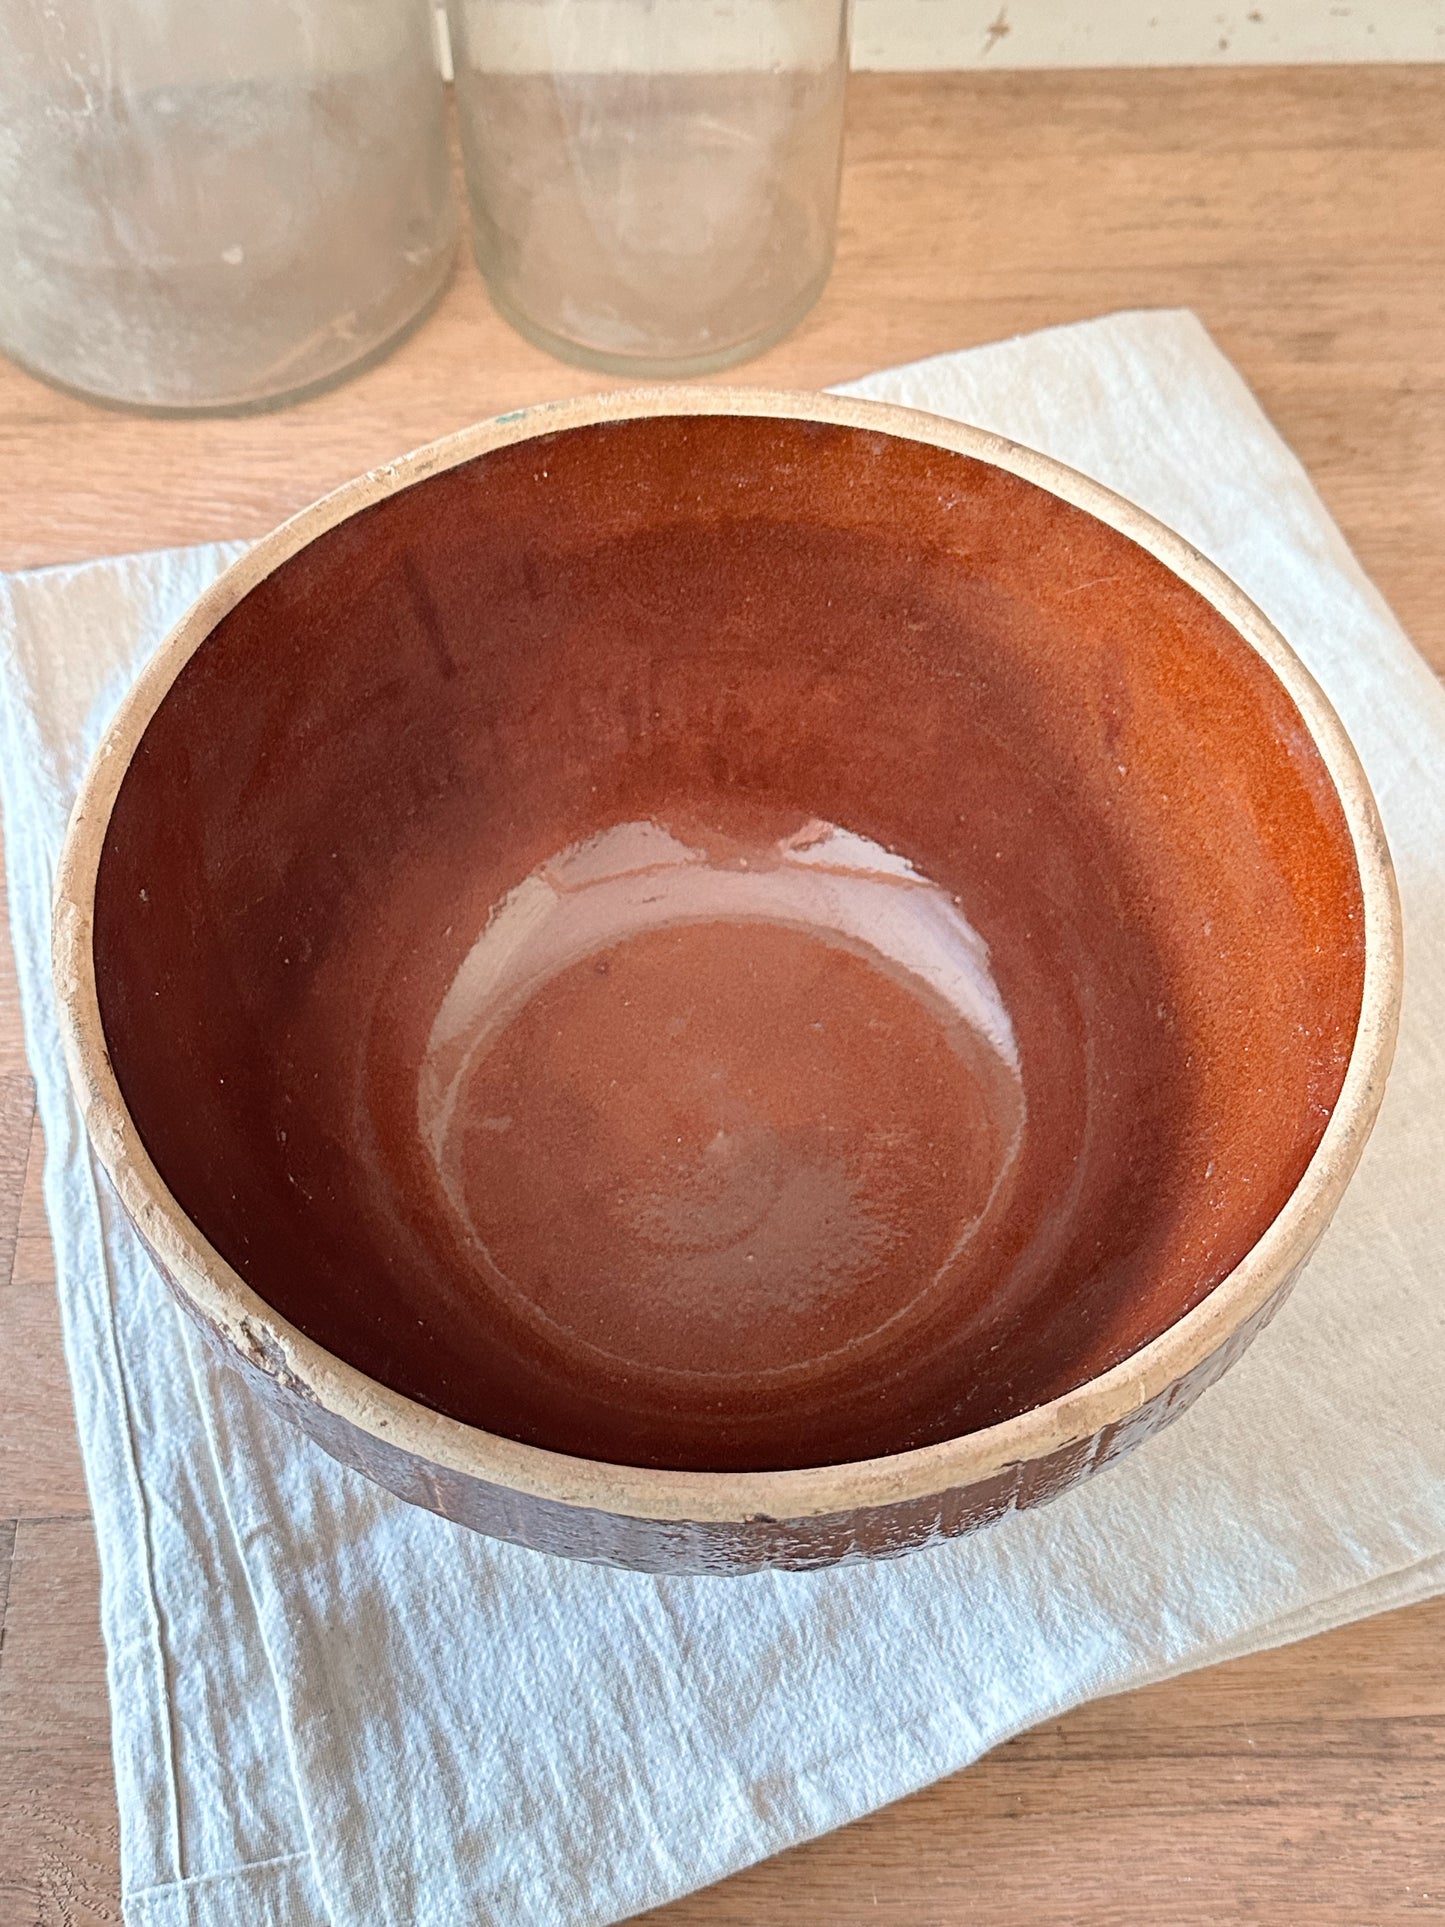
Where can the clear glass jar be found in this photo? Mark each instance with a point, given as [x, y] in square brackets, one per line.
[653, 183]
[217, 204]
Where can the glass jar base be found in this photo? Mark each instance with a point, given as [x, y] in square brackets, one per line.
[261, 404]
[660, 366]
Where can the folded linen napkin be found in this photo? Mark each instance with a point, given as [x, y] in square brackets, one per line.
[332, 1708]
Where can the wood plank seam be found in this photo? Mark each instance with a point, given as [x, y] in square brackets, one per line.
[7, 1560]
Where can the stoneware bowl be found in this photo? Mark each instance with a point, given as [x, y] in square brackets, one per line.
[707, 979]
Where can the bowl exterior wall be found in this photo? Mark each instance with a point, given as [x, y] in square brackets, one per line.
[709, 1546]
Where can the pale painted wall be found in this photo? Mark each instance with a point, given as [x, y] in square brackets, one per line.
[906, 34]
[903, 35]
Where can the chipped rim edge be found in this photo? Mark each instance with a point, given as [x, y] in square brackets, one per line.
[239, 1314]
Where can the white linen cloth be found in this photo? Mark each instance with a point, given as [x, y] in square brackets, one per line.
[332, 1708]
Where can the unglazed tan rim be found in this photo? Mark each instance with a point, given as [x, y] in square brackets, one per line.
[229, 1305]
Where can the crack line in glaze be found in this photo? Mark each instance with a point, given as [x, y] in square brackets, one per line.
[734, 1176]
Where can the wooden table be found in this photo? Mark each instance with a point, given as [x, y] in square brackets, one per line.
[1301, 213]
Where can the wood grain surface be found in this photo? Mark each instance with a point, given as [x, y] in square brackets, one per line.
[1301, 213]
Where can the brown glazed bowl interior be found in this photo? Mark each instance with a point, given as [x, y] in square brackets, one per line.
[712, 957]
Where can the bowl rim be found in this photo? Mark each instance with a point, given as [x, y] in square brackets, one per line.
[236, 1312]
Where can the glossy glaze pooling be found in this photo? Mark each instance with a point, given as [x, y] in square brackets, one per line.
[767, 1086]
[399, 1030]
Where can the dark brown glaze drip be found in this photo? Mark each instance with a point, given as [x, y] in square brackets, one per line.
[729, 630]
